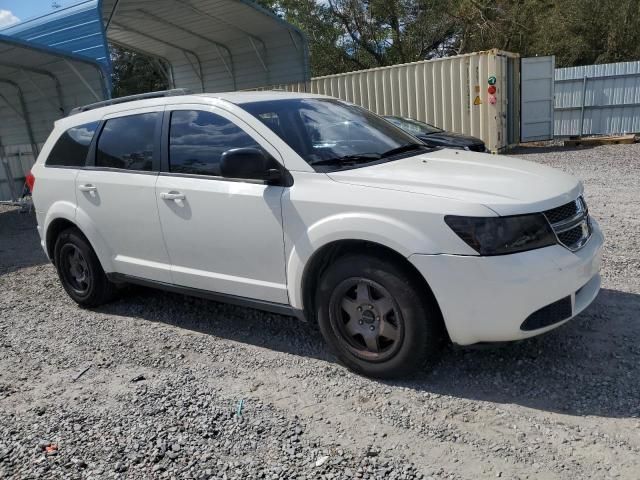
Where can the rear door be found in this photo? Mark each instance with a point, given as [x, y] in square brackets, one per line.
[116, 192]
[223, 235]
[537, 97]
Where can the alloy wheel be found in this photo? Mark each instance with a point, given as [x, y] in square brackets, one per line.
[366, 319]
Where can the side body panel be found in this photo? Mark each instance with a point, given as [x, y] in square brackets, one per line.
[122, 217]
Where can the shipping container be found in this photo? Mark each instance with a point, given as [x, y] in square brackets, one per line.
[475, 94]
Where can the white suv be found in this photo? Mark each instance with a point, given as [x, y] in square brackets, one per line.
[310, 206]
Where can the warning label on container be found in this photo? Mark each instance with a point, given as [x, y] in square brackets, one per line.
[477, 101]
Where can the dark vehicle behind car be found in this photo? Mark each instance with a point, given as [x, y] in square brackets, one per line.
[436, 137]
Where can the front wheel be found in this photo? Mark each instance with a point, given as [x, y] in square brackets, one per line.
[376, 317]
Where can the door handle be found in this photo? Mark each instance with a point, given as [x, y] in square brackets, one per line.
[172, 196]
[87, 188]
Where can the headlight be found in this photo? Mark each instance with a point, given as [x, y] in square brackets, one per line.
[503, 235]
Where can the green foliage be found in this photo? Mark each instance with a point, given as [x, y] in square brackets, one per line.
[135, 73]
[346, 35]
[585, 32]
[577, 32]
[349, 35]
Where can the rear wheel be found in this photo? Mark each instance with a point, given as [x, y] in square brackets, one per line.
[80, 271]
[376, 317]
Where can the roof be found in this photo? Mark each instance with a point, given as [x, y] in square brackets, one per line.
[75, 29]
[235, 98]
[39, 85]
[262, 96]
[210, 45]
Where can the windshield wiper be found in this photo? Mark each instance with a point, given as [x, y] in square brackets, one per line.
[361, 158]
[404, 148]
[369, 157]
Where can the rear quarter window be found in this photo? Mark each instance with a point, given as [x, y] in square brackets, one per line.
[72, 147]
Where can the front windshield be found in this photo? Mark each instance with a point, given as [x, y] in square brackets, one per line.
[414, 127]
[324, 131]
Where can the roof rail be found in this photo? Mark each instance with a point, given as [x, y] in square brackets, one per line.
[130, 98]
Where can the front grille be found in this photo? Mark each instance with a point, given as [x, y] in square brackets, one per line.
[562, 212]
[571, 223]
[552, 313]
[571, 237]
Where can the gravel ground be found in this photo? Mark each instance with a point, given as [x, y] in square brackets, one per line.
[160, 385]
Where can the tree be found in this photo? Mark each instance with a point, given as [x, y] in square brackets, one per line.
[134, 73]
[577, 32]
[347, 35]
[585, 32]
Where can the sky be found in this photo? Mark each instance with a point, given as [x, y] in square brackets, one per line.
[13, 11]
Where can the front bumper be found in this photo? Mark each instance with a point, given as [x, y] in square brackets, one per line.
[487, 299]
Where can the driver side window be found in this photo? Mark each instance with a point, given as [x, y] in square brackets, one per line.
[197, 140]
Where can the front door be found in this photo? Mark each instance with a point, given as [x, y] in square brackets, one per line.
[222, 235]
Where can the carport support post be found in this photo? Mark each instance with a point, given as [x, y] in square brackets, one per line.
[7, 172]
[25, 113]
[27, 119]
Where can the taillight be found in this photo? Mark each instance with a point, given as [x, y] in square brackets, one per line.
[30, 181]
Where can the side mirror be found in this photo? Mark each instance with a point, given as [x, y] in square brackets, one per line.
[250, 164]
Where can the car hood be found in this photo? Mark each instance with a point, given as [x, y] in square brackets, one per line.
[507, 185]
[450, 139]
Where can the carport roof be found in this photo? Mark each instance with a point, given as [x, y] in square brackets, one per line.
[210, 45]
[39, 85]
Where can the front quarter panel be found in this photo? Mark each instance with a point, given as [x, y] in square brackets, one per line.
[318, 211]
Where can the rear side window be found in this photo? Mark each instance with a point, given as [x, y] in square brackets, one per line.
[72, 147]
[198, 139]
[128, 142]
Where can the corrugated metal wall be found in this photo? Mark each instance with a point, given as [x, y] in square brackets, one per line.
[450, 93]
[611, 94]
[211, 45]
[37, 87]
[14, 165]
[76, 29]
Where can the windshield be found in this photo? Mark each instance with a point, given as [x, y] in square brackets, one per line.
[331, 134]
[414, 127]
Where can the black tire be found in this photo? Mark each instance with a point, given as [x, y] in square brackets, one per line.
[80, 271]
[405, 337]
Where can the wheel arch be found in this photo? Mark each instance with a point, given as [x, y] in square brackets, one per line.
[331, 251]
[57, 224]
[55, 227]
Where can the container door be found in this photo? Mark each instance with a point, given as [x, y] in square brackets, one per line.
[537, 92]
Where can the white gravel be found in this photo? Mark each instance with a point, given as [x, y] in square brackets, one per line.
[167, 375]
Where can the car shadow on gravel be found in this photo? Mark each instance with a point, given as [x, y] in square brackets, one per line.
[19, 241]
[246, 325]
[590, 366]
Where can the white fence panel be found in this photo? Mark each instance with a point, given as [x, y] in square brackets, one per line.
[597, 99]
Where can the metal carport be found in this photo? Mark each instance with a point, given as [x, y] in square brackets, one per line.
[38, 85]
[210, 45]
